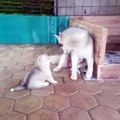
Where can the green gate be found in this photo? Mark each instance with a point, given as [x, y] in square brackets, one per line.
[21, 29]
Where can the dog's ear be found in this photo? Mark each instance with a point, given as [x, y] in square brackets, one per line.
[58, 38]
[60, 33]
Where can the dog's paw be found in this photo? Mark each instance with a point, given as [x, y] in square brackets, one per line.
[88, 75]
[56, 69]
[73, 77]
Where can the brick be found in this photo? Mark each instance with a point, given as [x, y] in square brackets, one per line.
[13, 116]
[28, 104]
[26, 62]
[13, 69]
[5, 105]
[2, 68]
[16, 95]
[108, 100]
[66, 89]
[2, 59]
[83, 101]
[27, 53]
[73, 113]
[56, 52]
[62, 73]
[89, 88]
[43, 114]
[56, 102]
[3, 47]
[53, 47]
[13, 54]
[103, 113]
[5, 75]
[7, 61]
[17, 48]
[30, 48]
[42, 47]
[111, 88]
[19, 75]
[95, 82]
[2, 54]
[8, 83]
[28, 68]
[73, 82]
[43, 91]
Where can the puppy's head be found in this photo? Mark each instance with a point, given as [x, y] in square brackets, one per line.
[43, 60]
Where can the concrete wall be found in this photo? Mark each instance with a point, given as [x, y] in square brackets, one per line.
[88, 7]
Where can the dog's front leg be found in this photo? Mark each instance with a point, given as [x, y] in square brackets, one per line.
[63, 58]
[74, 59]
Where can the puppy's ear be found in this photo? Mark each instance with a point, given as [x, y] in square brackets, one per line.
[58, 38]
[45, 54]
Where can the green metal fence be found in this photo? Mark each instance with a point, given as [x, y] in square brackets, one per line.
[23, 29]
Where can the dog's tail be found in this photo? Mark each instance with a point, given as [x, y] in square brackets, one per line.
[17, 88]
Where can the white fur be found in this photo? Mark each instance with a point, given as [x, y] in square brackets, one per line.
[39, 77]
[79, 44]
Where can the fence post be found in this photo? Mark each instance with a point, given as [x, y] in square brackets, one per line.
[56, 7]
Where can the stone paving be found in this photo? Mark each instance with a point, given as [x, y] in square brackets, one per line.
[67, 100]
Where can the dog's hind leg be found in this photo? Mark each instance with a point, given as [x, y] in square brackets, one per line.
[74, 69]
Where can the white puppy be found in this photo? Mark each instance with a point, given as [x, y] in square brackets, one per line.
[38, 77]
[79, 44]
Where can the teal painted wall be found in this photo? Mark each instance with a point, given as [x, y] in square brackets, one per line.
[22, 29]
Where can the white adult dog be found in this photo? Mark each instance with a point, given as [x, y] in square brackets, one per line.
[78, 43]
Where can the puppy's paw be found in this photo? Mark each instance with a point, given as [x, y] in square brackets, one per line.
[54, 82]
[56, 69]
[46, 83]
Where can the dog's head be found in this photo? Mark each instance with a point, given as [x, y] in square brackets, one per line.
[61, 38]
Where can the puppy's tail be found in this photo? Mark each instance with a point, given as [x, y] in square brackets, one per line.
[17, 88]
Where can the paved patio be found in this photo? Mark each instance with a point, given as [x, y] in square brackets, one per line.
[67, 100]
